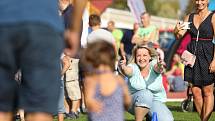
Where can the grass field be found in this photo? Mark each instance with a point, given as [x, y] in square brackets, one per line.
[173, 106]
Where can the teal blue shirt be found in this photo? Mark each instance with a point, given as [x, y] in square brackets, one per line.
[152, 82]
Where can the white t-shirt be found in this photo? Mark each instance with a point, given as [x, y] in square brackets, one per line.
[100, 34]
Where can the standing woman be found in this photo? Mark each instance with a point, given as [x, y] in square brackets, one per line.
[201, 75]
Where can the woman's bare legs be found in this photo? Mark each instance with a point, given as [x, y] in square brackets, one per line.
[204, 101]
[140, 113]
[208, 103]
[198, 99]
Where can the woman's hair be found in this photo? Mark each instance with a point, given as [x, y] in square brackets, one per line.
[152, 52]
[97, 53]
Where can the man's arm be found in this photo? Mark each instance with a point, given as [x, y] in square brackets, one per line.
[65, 64]
[72, 36]
[122, 49]
[79, 6]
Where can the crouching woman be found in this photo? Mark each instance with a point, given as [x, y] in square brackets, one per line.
[145, 85]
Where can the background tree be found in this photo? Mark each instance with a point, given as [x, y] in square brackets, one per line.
[163, 8]
[120, 4]
[151, 6]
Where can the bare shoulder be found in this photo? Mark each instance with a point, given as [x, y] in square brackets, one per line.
[213, 17]
[120, 80]
[90, 80]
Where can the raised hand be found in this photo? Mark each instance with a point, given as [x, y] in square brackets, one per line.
[123, 61]
[160, 64]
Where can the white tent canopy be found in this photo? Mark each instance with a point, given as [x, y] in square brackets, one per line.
[124, 19]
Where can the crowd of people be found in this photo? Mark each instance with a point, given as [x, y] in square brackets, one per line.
[116, 71]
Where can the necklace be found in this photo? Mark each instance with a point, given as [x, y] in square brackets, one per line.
[202, 18]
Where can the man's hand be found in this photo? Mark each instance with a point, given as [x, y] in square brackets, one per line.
[66, 64]
[122, 62]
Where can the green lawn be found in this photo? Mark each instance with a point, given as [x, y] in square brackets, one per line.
[173, 106]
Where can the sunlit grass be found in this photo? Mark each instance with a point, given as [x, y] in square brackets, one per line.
[173, 106]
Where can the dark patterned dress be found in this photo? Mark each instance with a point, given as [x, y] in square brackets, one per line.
[200, 74]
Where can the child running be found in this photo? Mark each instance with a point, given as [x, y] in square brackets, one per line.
[105, 92]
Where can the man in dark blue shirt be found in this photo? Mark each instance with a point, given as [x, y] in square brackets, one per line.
[30, 32]
[126, 45]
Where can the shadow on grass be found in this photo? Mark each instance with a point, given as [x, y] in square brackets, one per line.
[176, 108]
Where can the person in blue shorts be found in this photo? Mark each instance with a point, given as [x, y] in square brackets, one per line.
[31, 40]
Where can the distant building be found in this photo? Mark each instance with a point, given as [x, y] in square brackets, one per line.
[124, 19]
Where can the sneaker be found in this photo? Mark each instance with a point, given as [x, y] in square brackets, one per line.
[72, 115]
[17, 117]
[77, 114]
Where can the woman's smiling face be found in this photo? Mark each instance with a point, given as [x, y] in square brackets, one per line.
[142, 57]
[201, 4]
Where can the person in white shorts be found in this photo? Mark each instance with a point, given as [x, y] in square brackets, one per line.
[72, 88]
